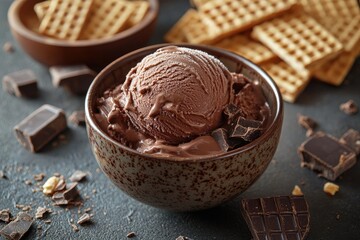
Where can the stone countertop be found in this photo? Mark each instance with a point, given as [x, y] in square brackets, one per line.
[116, 214]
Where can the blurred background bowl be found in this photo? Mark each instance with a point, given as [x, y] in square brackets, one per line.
[183, 184]
[94, 53]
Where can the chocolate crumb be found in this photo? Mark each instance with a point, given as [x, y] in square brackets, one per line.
[47, 221]
[8, 47]
[183, 238]
[308, 123]
[130, 235]
[87, 210]
[41, 211]
[17, 228]
[77, 118]
[2, 174]
[349, 107]
[94, 191]
[84, 218]
[23, 207]
[337, 216]
[39, 177]
[78, 176]
[74, 227]
[28, 182]
[5, 215]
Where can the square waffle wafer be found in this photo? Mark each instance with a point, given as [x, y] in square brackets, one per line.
[323, 10]
[198, 3]
[298, 40]
[140, 9]
[176, 33]
[247, 47]
[107, 18]
[346, 30]
[197, 31]
[65, 18]
[290, 82]
[41, 9]
[335, 71]
[235, 16]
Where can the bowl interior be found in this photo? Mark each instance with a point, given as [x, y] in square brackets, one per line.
[116, 72]
[27, 22]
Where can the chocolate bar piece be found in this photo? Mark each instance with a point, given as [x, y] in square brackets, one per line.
[245, 129]
[17, 228]
[21, 83]
[78, 118]
[76, 79]
[283, 217]
[352, 139]
[326, 155]
[40, 127]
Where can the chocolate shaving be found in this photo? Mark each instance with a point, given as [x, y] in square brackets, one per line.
[78, 118]
[308, 123]
[61, 185]
[349, 107]
[130, 235]
[17, 228]
[78, 176]
[66, 196]
[41, 211]
[183, 238]
[5, 215]
[84, 218]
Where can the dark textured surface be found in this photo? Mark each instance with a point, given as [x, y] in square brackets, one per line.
[116, 214]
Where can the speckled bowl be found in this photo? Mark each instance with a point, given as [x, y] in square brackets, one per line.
[96, 53]
[183, 184]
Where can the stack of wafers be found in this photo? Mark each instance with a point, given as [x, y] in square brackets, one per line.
[292, 40]
[88, 19]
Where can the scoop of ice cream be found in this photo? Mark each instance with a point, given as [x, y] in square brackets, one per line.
[176, 94]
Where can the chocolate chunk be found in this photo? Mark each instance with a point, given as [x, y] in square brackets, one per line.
[77, 176]
[221, 137]
[352, 139]
[41, 211]
[308, 123]
[326, 155]
[349, 107]
[284, 217]
[5, 215]
[76, 79]
[84, 218]
[17, 228]
[40, 127]
[22, 83]
[66, 196]
[231, 112]
[78, 118]
[245, 129]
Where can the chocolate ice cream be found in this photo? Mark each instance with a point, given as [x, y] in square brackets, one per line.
[173, 100]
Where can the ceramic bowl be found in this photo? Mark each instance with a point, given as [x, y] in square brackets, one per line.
[183, 184]
[94, 53]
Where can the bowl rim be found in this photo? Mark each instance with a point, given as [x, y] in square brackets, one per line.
[17, 25]
[277, 119]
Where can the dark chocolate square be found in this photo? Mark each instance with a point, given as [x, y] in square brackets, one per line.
[273, 222]
[22, 83]
[258, 223]
[284, 204]
[254, 206]
[269, 205]
[288, 222]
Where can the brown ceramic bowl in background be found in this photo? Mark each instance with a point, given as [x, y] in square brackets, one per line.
[95, 53]
[183, 184]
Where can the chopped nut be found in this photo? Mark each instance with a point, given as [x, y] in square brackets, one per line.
[131, 234]
[84, 218]
[50, 185]
[331, 188]
[297, 191]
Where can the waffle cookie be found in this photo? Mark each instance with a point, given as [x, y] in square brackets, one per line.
[65, 18]
[231, 16]
[140, 9]
[325, 10]
[107, 18]
[248, 48]
[290, 82]
[335, 71]
[41, 8]
[198, 3]
[298, 40]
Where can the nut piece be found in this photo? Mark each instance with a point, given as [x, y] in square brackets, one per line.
[50, 185]
[331, 188]
[297, 191]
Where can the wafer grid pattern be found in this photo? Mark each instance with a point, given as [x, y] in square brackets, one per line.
[41, 8]
[290, 81]
[285, 217]
[140, 9]
[233, 16]
[65, 18]
[247, 47]
[108, 18]
[299, 40]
